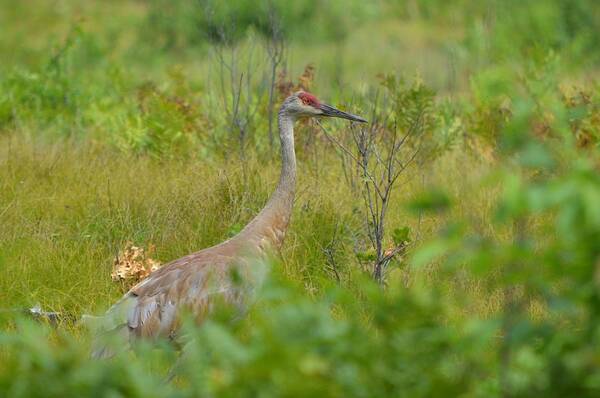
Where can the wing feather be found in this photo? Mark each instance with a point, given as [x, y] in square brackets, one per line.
[152, 307]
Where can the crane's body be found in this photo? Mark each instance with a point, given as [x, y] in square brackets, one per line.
[152, 308]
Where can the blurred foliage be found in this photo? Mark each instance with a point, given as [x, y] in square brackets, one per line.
[287, 346]
[180, 23]
[494, 30]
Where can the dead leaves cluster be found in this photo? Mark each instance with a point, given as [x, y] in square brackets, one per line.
[133, 264]
[286, 87]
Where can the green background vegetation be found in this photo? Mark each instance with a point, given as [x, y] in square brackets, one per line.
[116, 127]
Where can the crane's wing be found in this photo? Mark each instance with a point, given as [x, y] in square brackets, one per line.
[152, 308]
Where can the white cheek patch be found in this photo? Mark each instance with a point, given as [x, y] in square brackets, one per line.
[311, 110]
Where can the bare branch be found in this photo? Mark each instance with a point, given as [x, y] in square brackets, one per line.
[381, 158]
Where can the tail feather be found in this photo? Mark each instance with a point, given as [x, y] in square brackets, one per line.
[111, 331]
[106, 345]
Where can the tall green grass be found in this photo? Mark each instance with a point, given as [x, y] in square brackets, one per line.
[68, 207]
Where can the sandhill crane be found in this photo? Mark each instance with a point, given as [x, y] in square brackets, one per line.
[152, 308]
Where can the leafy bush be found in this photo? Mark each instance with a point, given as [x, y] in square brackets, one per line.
[288, 346]
[47, 93]
[162, 124]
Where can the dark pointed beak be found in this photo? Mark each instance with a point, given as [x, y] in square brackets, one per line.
[332, 112]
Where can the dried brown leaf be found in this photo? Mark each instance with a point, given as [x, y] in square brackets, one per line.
[133, 264]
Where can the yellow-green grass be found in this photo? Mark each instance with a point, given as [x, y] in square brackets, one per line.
[67, 207]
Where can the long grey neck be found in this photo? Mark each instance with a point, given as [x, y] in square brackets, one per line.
[270, 225]
[287, 180]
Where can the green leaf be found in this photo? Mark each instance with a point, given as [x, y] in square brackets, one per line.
[430, 201]
[367, 255]
[535, 155]
[401, 235]
[429, 252]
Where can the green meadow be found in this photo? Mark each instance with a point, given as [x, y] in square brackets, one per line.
[153, 123]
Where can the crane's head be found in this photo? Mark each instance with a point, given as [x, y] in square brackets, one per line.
[303, 104]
